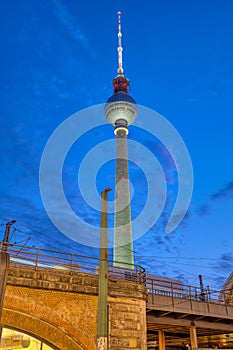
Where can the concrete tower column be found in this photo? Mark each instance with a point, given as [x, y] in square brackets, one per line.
[123, 251]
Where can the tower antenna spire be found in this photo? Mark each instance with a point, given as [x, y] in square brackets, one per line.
[120, 48]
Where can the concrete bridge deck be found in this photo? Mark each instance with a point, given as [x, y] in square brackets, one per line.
[176, 308]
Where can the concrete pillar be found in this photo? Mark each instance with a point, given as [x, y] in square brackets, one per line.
[161, 340]
[193, 337]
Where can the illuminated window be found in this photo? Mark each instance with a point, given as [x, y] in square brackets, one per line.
[12, 339]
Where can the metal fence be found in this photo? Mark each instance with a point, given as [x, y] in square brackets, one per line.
[176, 289]
[40, 258]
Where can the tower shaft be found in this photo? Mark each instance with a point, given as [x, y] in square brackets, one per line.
[121, 111]
[123, 251]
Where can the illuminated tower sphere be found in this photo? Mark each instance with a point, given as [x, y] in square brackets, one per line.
[121, 111]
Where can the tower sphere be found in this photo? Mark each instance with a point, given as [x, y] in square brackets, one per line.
[121, 106]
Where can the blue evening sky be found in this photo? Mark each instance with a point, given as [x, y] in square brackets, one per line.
[59, 56]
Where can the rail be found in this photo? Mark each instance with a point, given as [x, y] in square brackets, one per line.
[40, 258]
[176, 289]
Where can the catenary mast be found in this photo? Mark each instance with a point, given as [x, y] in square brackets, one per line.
[121, 111]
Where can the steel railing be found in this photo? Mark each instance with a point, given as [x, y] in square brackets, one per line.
[40, 258]
[176, 289]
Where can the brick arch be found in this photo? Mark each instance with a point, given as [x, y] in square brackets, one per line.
[43, 322]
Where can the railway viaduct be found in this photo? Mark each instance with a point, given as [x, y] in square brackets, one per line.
[60, 307]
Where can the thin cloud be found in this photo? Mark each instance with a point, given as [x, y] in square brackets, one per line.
[203, 210]
[71, 26]
[225, 192]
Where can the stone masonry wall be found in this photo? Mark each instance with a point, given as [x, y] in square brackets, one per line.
[127, 326]
[62, 309]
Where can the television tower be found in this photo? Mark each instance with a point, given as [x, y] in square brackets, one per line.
[121, 111]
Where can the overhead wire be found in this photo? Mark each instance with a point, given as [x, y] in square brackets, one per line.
[187, 272]
[150, 258]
